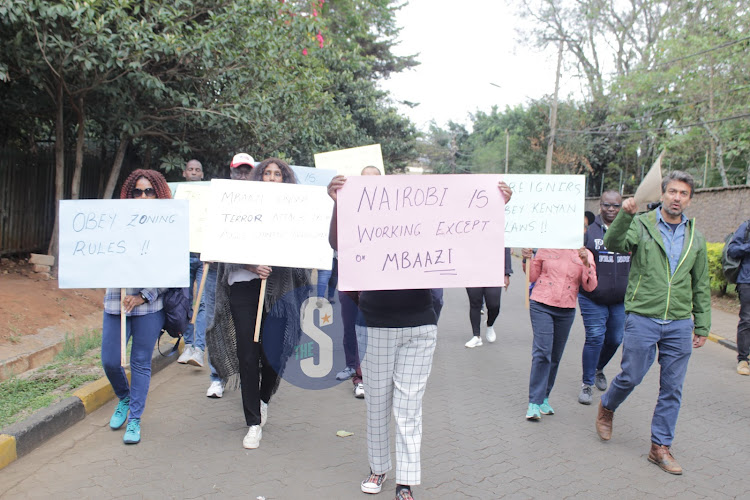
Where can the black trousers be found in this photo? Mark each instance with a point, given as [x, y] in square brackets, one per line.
[743, 327]
[489, 295]
[257, 376]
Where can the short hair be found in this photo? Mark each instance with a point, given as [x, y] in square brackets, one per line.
[610, 191]
[287, 174]
[369, 166]
[678, 175]
[156, 179]
[194, 161]
[589, 217]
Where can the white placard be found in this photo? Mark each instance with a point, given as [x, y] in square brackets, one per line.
[124, 244]
[351, 161]
[545, 211]
[268, 223]
[196, 192]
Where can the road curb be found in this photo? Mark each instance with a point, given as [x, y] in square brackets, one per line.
[721, 340]
[22, 437]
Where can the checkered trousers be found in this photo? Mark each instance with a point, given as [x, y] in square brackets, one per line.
[395, 369]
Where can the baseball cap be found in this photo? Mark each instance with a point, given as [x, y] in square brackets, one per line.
[242, 159]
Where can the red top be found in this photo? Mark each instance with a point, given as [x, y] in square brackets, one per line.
[558, 274]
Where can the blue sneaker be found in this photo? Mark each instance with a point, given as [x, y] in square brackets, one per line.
[121, 413]
[545, 408]
[533, 412]
[133, 432]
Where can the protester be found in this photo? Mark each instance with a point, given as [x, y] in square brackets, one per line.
[397, 330]
[349, 306]
[195, 335]
[603, 309]
[490, 295]
[239, 168]
[739, 248]
[557, 275]
[145, 319]
[668, 306]
[256, 367]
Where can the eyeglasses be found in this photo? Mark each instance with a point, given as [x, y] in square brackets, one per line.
[149, 192]
[611, 205]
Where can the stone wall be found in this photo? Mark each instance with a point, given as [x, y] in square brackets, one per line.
[718, 211]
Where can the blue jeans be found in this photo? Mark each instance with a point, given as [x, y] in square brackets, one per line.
[144, 330]
[195, 335]
[551, 327]
[437, 300]
[641, 338]
[328, 280]
[603, 326]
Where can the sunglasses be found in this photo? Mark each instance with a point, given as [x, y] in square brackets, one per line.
[611, 205]
[149, 192]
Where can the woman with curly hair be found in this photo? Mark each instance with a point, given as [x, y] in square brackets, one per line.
[143, 307]
[240, 361]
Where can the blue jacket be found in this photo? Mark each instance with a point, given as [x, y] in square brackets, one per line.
[612, 268]
[739, 248]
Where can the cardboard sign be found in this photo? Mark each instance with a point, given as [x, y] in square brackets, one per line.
[350, 162]
[124, 244]
[429, 231]
[268, 223]
[650, 188]
[196, 193]
[545, 211]
[309, 176]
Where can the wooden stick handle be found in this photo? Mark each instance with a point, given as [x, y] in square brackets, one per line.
[259, 314]
[197, 303]
[123, 329]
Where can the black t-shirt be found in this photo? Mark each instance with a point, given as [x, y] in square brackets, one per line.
[396, 308]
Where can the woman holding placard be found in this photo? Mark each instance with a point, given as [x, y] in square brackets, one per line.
[145, 319]
[256, 366]
[557, 276]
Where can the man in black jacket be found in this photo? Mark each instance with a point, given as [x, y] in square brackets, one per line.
[603, 310]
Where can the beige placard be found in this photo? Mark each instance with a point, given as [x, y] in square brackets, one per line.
[351, 161]
[197, 193]
[650, 188]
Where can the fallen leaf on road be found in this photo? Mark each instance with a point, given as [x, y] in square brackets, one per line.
[343, 434]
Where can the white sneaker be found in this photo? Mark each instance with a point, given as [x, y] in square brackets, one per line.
[197, 358]
[490, 334]
[186, 354]
[474, 342]
[263, 413]
[359, 391]
[215, 390]
[252, 438]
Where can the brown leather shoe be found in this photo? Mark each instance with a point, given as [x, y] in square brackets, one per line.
[604, 423]
[661, 456]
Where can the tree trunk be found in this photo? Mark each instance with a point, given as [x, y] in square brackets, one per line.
[75, 188]
[54, 242]
[719, 153]
[116, 167]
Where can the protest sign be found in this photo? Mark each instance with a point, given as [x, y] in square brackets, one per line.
[429, 231]
[268, 223]
[309, 176]
[650, 187]
[124, 244]
[545, 211]
[196, 193]
[350, 162]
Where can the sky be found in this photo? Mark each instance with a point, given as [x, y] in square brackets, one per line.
[465, 47]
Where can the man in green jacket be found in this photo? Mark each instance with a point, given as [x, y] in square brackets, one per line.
[668, 306]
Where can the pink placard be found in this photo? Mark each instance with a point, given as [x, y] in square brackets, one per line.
[420, 231]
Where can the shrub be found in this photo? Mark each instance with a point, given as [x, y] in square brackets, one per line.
[718, 281]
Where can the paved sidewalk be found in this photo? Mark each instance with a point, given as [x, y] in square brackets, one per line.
[477, 443]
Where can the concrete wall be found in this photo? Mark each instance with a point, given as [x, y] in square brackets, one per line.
[718, 211]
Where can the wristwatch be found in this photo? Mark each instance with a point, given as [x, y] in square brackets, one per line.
[145, 299]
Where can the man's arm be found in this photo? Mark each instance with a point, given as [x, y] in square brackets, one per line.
[622, 235]
[701, 293]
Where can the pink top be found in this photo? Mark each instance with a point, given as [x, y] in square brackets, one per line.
[558, 274]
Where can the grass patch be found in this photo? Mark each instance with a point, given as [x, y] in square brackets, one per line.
[78, 363]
